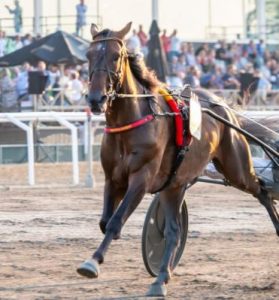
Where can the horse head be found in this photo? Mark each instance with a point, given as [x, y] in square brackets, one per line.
[107, 57]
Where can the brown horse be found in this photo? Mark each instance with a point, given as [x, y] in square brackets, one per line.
[140, 160]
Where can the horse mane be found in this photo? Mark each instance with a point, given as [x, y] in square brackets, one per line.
[142, 74]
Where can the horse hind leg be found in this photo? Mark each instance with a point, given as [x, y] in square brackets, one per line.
[171, 200]
[268, 202]
[240, 175]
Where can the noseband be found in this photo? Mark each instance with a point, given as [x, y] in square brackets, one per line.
[115, 77]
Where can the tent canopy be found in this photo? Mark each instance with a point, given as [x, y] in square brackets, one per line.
[57, 48]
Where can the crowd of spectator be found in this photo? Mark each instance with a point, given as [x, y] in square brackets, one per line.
[220, 65]
[65, 86]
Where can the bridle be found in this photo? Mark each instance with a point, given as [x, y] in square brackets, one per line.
[115, 77]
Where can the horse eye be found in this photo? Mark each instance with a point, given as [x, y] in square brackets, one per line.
[115, 58]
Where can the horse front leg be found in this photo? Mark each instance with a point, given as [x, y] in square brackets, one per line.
[136, 190]
[171, 201]
[112, 198]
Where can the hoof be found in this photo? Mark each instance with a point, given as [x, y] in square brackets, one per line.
[89, 268]
[157, 290]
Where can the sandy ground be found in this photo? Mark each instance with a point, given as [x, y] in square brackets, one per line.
[45, 232]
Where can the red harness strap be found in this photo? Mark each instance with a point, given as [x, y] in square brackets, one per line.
[177, 118]
[130, 126]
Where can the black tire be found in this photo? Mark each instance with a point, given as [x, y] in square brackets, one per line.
[153, 241]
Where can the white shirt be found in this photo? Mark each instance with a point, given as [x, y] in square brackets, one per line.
[133, 44]
[3, 43]
[76, 90]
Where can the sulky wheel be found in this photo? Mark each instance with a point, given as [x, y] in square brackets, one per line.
[153, 241]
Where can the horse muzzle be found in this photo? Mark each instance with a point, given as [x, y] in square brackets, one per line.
[97, 102]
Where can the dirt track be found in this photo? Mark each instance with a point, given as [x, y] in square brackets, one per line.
[232, 251]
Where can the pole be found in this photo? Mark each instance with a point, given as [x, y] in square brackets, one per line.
[155, 10]
[98, 12]
[38, 13]
[74, 136]
[244, 19]
[261, 20]
[30, 146]
[58, 14]
[209, 18]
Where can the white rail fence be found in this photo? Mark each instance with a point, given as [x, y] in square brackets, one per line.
[25, 120]
[59, 99]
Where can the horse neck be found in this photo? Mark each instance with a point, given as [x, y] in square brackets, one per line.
[126, 110]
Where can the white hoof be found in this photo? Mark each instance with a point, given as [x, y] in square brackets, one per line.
[90, 268]
[157, 290]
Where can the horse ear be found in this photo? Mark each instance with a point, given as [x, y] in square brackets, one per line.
[94, 30]
[121, 34]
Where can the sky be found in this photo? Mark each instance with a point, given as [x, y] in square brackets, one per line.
[189, 17]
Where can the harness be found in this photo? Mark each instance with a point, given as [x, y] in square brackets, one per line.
[117, 75]
[179, 113]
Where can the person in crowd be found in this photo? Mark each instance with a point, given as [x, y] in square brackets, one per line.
[273, 67]
[187, 50]
[175, 45]
[3, 43]
[81, 10]
[53, 73]
[203, 47]
[18, 43]
[241, 60]
[193, 77]
[177, 72]
[230, 79]
[210, 61]
[215, 80]
[27, 40]
[22, 84]
[165, 42]
[44, 76]
[262, 89]
[10, 45]
[143, 40]
[41, 67]
[65, 85]
[76, 88]
[201, 60]
[7, 91]
[83, 72]
[221, 51]
[252, 51]
[261, 47]
[133, 43]
[17, 12]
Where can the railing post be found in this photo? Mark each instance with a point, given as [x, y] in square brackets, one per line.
[30, 143]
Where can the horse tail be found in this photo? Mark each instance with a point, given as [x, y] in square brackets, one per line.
[266, 130]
